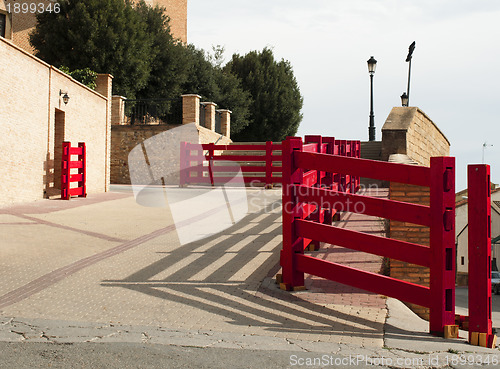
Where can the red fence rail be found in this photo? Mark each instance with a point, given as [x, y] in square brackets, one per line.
[302, 197]
[479, 245]
[67, 177]
[260, 163]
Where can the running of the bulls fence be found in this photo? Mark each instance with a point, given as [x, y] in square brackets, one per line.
[67, 177]
[320, 177]
[302, 197]
[260, 163]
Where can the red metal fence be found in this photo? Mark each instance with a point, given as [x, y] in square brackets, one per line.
[67, 165]
[304, 194]
[479, 245]
[260, 163]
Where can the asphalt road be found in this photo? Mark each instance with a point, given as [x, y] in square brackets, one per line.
[128, 355]
[461, 302]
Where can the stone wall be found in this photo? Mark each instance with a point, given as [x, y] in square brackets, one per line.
[409, 131]
[411, 137]
[35, 121]
[410, 233]
[125, 137]
[177, 11]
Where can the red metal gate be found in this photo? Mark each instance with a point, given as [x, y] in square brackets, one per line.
[67, 165]
[302, 197]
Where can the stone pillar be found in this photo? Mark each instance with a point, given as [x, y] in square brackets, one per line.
[225, 122]
[104, 86]
[118, 110]
[210, 115]
[191, 108]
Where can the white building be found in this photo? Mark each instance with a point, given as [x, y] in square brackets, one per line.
[462, 234]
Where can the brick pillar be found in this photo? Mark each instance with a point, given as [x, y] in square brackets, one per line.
[210, 115]
[104, 86]
[118, 110]
[225, 122]
[191, 108]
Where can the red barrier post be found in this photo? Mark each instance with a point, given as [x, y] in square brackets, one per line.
[269, 164]
[318, 215]
[184, 165]
[479, 244]
[442, 244]
[210, 158]
[292, 278]
[65, 170]
[329, 182]
[83, 169]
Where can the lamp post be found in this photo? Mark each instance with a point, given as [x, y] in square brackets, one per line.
[404, 99]
[408, 60]
[372, 63]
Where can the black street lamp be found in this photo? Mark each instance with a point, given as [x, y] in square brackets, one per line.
[372, 64]
[404, 99]
[408, 60]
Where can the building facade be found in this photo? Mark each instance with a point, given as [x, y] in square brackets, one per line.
[15, 24]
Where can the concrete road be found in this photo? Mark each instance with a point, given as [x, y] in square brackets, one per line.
[130, 355]
[461, 302]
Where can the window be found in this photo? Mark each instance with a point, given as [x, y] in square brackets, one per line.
[3, 24]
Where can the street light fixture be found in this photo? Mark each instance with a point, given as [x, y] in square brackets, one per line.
[404, 99]
[411, 48]
[372, 64]
[65, 96]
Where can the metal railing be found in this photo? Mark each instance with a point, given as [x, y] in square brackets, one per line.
[153, 111]
[218, 128]
[202, 115]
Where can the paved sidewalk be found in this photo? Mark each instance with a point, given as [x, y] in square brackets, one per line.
[108, 260]
[105, 269]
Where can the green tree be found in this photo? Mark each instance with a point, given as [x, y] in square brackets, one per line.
[276, 99]
[169, 60]
[135, 45]
[107, 36]
[86, 76]
[206, 77]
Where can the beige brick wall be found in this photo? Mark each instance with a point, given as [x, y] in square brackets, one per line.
[29, 94]
[408, 130]
[177, 11]
[124, 138]
[410, 233]
[23, 24]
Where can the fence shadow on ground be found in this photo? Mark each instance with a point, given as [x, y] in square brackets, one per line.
[220, 279]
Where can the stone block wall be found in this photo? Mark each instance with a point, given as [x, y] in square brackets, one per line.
[177, 11]
[409, 131]
[409, 136]
[125, 137]
[410, 233]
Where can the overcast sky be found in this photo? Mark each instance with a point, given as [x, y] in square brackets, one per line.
[455, 67]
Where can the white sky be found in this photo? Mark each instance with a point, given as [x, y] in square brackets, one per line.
[455, 66]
